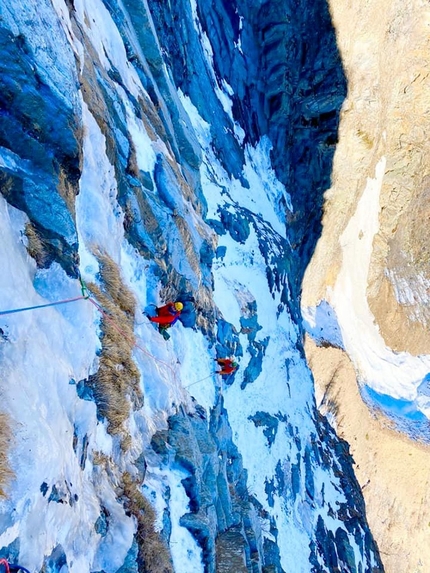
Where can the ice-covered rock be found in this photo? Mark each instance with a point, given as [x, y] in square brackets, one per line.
[168, 151]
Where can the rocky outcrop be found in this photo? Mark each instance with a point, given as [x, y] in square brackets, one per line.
[285, 84]
[391, 469]
[381, 137]
[382, 116]
[216, 482]
[293, 81]
[41, 141]
[226, 518]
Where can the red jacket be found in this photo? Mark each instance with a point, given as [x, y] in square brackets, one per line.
[227, 366]
[167, 314]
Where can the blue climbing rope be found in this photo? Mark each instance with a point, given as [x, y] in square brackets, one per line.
[2, 312]
[16, 567]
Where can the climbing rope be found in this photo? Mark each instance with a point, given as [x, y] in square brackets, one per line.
[198, 381]
[132, 342]
[86, 296]
[11, 566]
[42, 305]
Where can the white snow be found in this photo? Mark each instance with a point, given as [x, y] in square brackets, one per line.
[186, 554]
[397, 374]
[284, 388]
[46, 352]
[322, 324]
[106, 40]
[41, 399]
[145, 154]
[98, 213]
[265, 192]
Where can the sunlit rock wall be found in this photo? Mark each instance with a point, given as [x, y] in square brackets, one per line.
[382, 137]
[72, 108]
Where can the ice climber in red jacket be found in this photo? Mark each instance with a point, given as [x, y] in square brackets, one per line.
[228, 366]
[168, 314]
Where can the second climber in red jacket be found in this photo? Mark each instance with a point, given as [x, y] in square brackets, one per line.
[168, 314]
[228, 366]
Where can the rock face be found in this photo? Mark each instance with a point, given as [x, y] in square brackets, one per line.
[295, 88]
[382, 153]
[41, 137]
[392, 470]
[153, 149]
[383, 115]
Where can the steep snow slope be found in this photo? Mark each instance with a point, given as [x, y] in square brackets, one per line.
[120, 167]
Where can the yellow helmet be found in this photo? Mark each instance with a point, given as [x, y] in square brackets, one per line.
[179, 305]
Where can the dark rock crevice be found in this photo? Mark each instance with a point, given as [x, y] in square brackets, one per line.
[291, 87]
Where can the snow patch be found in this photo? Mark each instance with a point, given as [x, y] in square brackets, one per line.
[387, 372]
[321, 323]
